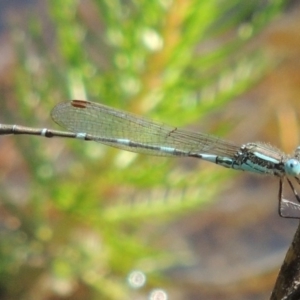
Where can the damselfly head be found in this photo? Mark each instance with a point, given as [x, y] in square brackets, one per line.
[292, 167]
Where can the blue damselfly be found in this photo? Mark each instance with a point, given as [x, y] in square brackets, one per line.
[96, 122]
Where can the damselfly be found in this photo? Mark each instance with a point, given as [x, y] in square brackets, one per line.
[96, 122]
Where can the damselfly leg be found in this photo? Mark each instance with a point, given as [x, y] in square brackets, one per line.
[288, 208]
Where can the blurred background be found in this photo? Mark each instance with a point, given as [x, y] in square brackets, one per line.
[79, 220]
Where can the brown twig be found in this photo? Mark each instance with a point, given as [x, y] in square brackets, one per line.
[287, 286]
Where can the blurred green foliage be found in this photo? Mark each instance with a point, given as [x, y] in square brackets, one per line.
[79, 217]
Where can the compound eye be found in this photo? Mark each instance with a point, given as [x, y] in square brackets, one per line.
[292, 167]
